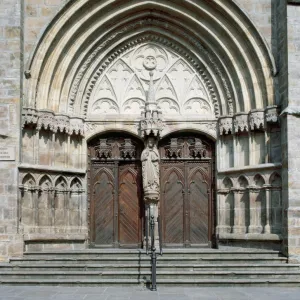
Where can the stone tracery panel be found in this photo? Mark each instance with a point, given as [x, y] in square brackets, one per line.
[52, 203]
[123, 87]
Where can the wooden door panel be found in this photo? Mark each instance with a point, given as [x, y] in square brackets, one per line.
[173, 223]
[129, 207]
[103, 200]
[199, 209]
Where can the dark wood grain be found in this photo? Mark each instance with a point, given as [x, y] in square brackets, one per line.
[172, 201]
[103, 207]
[199, 207]
[129, 207]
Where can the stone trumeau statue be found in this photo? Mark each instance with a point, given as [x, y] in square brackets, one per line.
[150, 169]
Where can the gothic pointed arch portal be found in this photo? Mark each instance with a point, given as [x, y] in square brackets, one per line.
[186, 190]
[214, 74]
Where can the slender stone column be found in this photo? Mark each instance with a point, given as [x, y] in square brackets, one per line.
[267, 228]
[251, 142]
[255, 225]
[52, 152]
[267, 145]
[239, 220]
[68, 151]
[36, 147]
[235, 155]
[222, 225]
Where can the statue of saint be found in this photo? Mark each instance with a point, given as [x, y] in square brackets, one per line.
[150, 169]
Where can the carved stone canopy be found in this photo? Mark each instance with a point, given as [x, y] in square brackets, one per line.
[186, 147]
[115, 148]
[104, 150]
[128, 149]
[151, 123]
[174, 149]
[198, 150]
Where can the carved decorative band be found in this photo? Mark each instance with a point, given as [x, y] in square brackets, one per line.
[244, 122]
[47, 119]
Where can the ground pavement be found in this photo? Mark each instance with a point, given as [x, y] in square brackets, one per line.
[142, 293]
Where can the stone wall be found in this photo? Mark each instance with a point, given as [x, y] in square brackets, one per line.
[37, 15]
[22, 24]
[10, 85]
[260, 13]
[291, 124]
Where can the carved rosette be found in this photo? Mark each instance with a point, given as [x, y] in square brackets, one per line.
[240, 122]
[257, 119]
[271, 113]
[225, 125]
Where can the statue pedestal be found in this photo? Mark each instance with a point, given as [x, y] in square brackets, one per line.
[151, 209]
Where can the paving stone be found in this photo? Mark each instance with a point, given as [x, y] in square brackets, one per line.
[68, 296]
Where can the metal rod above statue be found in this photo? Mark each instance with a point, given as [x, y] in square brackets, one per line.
[151, 127]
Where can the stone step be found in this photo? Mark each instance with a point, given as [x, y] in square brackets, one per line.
[161, 259]
[160, 282]
[166, 252]
[147, 274]
[147, 267]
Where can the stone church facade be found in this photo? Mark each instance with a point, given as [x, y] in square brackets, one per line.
[85, 82]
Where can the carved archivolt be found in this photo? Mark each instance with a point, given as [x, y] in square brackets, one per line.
[222, 57]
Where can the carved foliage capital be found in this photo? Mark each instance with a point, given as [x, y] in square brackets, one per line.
[48, 120]
[240, 123]
[225, 125]
[271, 113]
[30, 116]
[257, 120]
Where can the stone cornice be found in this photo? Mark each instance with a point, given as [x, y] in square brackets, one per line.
[52, 169]
[291, 110]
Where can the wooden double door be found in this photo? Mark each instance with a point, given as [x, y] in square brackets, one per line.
[185, 204]
[116, 209]
[116, 199]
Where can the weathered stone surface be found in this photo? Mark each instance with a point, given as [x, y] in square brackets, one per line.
[82, 79]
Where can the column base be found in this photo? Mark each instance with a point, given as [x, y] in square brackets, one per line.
[255, 229]
[239, 229]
